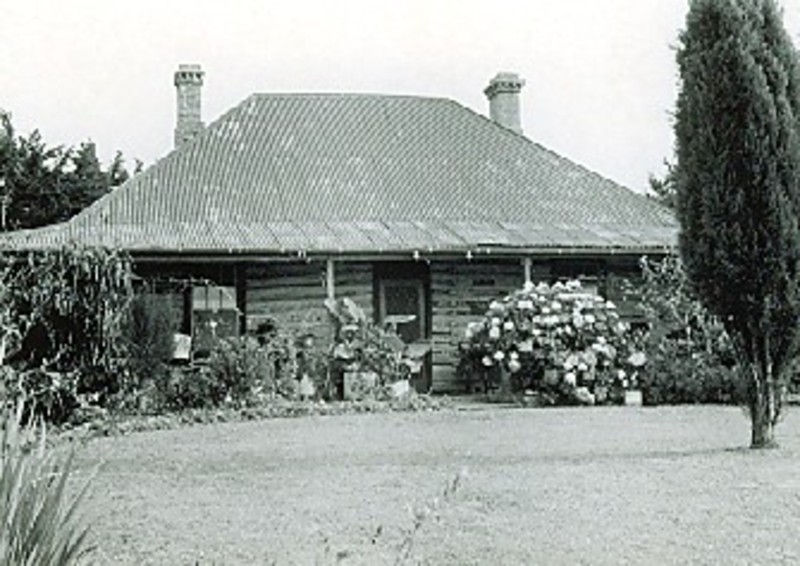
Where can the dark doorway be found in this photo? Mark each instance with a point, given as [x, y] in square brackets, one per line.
[403, 291]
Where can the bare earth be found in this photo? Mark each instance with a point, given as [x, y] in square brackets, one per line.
[553, 486]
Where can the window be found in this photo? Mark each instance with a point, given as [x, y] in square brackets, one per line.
[214, 316]
[213, 298]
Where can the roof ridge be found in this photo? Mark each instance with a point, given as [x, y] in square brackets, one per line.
[375, 95]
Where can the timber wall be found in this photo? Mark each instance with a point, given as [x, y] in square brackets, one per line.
[460, 293]
[293, 295]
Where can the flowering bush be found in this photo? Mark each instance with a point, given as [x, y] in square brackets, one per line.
[559, 340]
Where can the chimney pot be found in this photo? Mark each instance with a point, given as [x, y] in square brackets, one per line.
[503, 94]
[188, 83]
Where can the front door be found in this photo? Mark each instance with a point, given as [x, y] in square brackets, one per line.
[404, 299]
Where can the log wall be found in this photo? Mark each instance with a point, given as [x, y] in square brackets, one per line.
[460, 293]
[293, 295]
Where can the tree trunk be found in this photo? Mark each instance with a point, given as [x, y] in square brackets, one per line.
[763, 409]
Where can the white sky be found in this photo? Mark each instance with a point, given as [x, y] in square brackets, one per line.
[601, 78]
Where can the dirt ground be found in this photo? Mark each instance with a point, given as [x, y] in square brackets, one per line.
[619, 485]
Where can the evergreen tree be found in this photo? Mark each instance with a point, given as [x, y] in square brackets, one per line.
[36, 186]
[117, 173]
[43, 185]
[86, 181]
[738, 187]
[663, 189]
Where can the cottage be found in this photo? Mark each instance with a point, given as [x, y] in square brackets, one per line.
[407, 205]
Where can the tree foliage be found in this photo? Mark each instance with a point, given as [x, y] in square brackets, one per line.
[44, 185]
[737, 179]
[663, 189]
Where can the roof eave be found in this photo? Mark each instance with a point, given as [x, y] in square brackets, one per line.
[478, 252]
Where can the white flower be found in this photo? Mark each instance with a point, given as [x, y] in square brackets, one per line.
[528, 286]
[570, 378]
[496, 321]
[542, 287]
[494, 332]
[610, 305]
[487, 361]
[499, 355]
[637, 359]
[601, 339]
[525, 304]
[468, 333]
[513, 356]
[495, 306]
[508, 325]
[556, 306]
[583, 367]
[571, 361]
[545, 310]
[573, 284]
[577, 320]
[589, 318]
[514, 366]
[621, 373]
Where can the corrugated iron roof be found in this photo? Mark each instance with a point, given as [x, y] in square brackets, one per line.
[362, 173]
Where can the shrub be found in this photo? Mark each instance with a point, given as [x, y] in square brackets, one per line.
[70, 305]
[190, 387]
[247, 370]
[61, 313]
[40, 522]
[690, 356]
[240, 371]
[555, 339]
[149, 335]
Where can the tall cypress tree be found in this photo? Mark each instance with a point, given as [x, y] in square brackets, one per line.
[738, 187]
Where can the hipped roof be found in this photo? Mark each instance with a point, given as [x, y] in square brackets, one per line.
[308, 174]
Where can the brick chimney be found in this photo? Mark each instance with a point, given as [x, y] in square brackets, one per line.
[503, 94]
[188, 82]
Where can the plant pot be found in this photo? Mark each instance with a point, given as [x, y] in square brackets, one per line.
[356, 383]
[601, 394]
[633, 397]
[400, 388]
[306, 387]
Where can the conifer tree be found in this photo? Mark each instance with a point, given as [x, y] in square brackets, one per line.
[41, 185]
[738, 187]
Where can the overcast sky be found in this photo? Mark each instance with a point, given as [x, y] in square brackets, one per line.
[601, 78]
